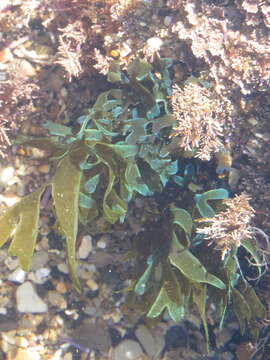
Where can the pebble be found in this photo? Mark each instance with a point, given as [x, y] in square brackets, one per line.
[24, 68]
[57, 300]
[125, 50]
[17, 275]
[167, 20]
[85, 247]
[11, 263]
[44, 169]
[39, 260]
[40, 276]
[7, 175]
[26, 354]
[153, 345]
[234, 177]
[252, 121]
[127, 350]
[92, 336]
[21, 190]
[102, 242]
[61, 287]
[9, 200]
[92, 284]
[3, 75]
[63, 268]
[154, 43]
[90, 310]
[5, 55]
[68, 356]
[28, 300]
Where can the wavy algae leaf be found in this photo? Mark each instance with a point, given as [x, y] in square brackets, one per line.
[241, 309]
[141, 284]
[139, 69]
[183, 219]
[176, 311]
[201, 200]
[134, 181]
[114, 207]
[258, 311]
[253, 250]
[190, 266]
[257, 308]
[51, 144]
[65, 192]
[57, 129]
[23, 218]
[8, 222]
[199, 298]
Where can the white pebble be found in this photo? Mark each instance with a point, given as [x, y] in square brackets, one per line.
[17, 275]
[40, 276]
[85, 247]
[7, 175]
[125, 50]
[28, 300]
[154, 43]
[26, 354]
[127, 350]
[102, 242]
[9, 200]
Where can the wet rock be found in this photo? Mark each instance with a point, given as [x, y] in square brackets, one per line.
[17, 275]
[85, 247]
[102, 242]
[57, 300]
[40, 276]
[40, 259]
[127, 350]
[26, 354]
[7, 175]
[44, 169]
[92, 336]
[7, 323]
[234, 177]
[152, 343]
[28, 300]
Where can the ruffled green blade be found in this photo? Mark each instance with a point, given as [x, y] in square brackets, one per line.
[65, 192]
[163, 301]
[21, 224]
[183, 219]
[199, 298]
[241, 309]
[141, 284]
[201, 200]
[190, 266]
[134, 181]
[257, 310]
[57, 129]
[114, 207]
[8, 222]
[139, 69]
[50, 144]
[252, 249]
